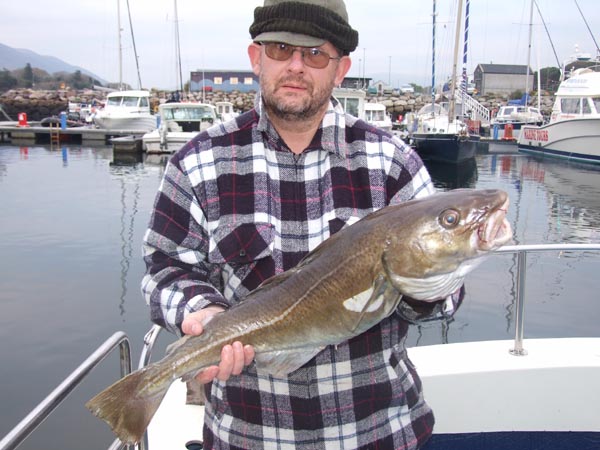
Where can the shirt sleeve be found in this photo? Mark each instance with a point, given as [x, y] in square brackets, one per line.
[179, 278]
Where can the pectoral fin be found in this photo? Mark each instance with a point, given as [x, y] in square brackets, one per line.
[281, 363]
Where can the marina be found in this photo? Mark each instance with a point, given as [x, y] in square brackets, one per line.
[72, 225]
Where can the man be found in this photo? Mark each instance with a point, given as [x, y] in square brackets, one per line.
[248, 199]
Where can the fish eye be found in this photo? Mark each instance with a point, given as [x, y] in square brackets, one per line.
[449, 218]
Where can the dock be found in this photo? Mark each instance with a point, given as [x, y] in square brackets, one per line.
[36, 134]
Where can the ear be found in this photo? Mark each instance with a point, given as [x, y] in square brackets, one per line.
[342, 69]
[254, 53]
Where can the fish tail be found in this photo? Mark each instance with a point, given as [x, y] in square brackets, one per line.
[127, 407]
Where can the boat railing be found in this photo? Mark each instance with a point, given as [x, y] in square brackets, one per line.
[24, 428]
[521, 251]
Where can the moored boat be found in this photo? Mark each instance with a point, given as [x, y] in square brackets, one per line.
[179, 122]
[574, 129]
[126, 110]
[376, 115]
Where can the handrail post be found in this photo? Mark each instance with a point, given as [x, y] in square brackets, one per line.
[518, 350]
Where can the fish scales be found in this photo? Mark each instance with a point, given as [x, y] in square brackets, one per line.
[423, 248]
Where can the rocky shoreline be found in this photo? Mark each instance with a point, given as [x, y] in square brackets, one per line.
[38, 104]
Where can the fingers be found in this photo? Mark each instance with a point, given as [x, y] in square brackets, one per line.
[233, 360]
[194, 322]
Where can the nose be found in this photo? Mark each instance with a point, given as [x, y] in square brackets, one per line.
[297, 60]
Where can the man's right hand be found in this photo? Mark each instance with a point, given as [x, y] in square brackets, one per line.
[233, 357]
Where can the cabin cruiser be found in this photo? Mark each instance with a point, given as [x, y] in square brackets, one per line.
[126, 110]
[179, 122]
[574, 129]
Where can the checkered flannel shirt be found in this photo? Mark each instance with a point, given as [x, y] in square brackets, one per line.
[236, 207]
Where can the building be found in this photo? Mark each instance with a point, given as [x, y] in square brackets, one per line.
[501, 78]
[223, 80]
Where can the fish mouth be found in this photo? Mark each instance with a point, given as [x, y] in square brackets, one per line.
[496, 230]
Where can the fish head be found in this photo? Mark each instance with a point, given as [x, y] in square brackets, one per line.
[441, 238]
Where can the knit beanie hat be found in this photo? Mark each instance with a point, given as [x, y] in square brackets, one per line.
[304, 23]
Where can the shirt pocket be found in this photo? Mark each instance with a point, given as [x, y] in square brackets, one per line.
[243, 243]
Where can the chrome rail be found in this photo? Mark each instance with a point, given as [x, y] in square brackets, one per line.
[24, 428]
[521, 252]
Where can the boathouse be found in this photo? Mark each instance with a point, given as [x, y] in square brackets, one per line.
[501, 78]
[223, 80]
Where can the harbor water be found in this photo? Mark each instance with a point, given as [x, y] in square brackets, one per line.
[72, 221]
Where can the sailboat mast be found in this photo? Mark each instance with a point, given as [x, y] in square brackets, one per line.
[120, 45]
[137, 62]
[452, 108]
[465, 77]
[433, 61]
[179, 75]
[529, 54]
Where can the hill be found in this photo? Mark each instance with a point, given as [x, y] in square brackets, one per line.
[12, 59]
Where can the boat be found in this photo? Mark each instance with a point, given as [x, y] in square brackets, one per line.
[493, 395]
[573, 131]
[376, 115]
[225, 111]
[179, 122]
[126, 110]
[516, 116]
[441, 135]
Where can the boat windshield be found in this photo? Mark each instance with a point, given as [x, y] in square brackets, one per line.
[125, 101]
[375, 115]
[596, 101]
[196, 113]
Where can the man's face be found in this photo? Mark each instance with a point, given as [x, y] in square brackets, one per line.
[291, 90]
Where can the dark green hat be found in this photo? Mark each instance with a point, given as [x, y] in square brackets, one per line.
[305, 23]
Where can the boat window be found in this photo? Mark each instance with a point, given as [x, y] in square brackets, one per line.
[585, 106]
[130, 101]
[570, 105]
[114, 101]
[351, 106]
[596, 101]
[144, 101]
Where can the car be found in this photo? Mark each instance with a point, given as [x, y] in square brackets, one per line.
[407, 89]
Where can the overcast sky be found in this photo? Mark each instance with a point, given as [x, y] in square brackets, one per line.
[395, 35]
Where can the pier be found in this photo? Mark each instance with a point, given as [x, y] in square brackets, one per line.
[36, 134]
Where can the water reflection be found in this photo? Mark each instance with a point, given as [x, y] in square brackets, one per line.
[453, 176]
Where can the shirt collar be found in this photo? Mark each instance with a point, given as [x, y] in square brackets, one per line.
[330, 136]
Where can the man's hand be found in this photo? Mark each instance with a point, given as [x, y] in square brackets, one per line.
[233, 357]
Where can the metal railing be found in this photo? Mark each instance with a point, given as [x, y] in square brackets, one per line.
[521, 252]
[24, 428]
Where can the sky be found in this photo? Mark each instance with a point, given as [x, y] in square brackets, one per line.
[395, 36]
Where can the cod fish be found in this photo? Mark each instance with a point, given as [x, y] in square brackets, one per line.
[422, 248]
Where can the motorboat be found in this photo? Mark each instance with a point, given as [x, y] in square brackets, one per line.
[126, 110]
[225, 111]
[179, 122]
[516, 116]
[511, 393]
[376, 115]
[573, 131]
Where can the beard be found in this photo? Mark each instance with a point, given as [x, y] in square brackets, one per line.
[292, 107]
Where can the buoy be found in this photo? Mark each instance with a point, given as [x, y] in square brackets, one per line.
[508, 132]
[23, 120]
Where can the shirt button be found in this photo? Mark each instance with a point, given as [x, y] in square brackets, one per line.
[242, 253]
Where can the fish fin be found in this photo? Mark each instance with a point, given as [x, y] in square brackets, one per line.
[282, 362]
[127, 411]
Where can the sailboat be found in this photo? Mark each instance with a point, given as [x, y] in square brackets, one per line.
[440, 134]
[126, 110]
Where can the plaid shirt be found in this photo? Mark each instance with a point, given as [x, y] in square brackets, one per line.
[236, 207]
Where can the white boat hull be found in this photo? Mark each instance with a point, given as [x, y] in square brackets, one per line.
[173, 142]
[118, 122]
[576, 139]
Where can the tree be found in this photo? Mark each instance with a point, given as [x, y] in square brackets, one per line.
[7, 81]
[549, 78]
[28, 76]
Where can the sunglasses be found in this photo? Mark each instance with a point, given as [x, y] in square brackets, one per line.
[312, 57]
